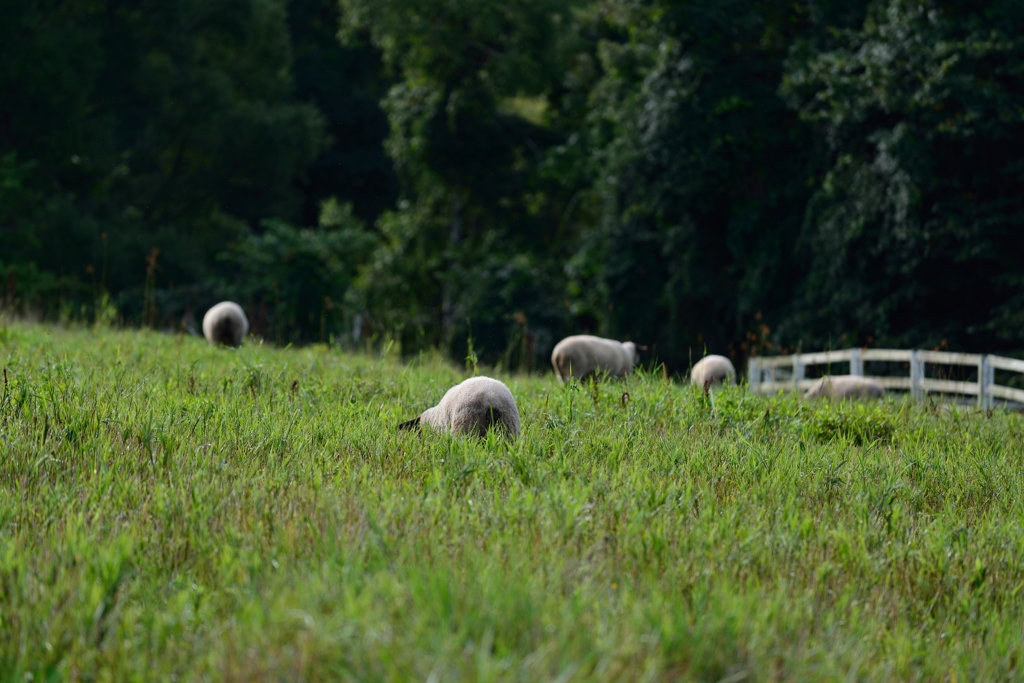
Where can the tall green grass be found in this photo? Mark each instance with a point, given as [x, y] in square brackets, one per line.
[170, 511]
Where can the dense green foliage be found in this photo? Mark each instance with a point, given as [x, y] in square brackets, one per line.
[128, 129]
[139, 143]
[469, 245]
[170, 511]
[732, 175]
[915, 230]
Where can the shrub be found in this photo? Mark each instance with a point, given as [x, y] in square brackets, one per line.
[294, 281]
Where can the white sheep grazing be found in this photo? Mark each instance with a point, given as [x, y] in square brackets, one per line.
[845, 386]
[472, 407]
[225, 324]
[583, 355]
[713, 370]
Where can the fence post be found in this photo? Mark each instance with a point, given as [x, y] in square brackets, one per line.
[856, 364]
[753, 374]
[798, 371]
[990, 380]
[986, 375]
[981, 383]
[916, 375]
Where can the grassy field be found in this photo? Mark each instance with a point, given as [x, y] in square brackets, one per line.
[173, 512]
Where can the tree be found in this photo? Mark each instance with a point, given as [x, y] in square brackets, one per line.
[154, 129]
[346, 84]
[469, 243]
[701, 172]
[913, 236]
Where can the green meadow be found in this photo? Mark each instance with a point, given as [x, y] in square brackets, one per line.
[174, 512]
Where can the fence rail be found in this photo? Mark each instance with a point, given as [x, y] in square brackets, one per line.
[781, 373]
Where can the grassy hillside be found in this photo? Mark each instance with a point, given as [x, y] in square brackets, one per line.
[169, 511]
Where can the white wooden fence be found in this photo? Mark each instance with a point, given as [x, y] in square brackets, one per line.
[772, 374]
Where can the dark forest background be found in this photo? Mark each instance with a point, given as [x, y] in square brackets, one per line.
[740, 176]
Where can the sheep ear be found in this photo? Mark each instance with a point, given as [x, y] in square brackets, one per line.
[411, 424]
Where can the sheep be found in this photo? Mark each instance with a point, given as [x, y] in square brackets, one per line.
[225, 324]
[712, 370]
[845, 386]
[583, 355]
[472, 407]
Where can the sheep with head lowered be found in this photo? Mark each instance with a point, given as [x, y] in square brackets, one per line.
[225, 324]
[583, 355]
[472, 407]
[713, 370]
[845, 386]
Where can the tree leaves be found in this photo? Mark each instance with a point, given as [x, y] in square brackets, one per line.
[921, 203]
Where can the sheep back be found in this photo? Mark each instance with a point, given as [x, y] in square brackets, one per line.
[225, 324]
[583, 355]
[845, 386]
[716, 369]
[473, 407]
